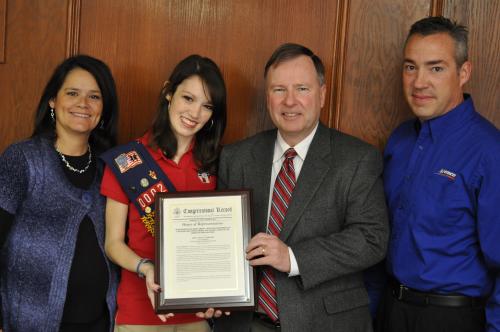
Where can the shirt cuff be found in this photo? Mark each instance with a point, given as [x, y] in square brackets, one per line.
[294, 268]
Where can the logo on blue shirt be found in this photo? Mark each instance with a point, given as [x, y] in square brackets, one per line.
[446, 173]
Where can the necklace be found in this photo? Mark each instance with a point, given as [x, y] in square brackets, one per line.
[71, 168]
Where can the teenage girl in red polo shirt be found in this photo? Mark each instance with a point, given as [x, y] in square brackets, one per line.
[184, 141]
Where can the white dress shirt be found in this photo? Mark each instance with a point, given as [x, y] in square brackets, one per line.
[280, 147]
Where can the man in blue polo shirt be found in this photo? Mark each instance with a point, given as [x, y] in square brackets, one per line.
[442, 179]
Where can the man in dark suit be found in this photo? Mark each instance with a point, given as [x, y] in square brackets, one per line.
[332, 227]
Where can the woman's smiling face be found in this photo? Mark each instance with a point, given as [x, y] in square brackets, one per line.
[78, 104]
[190, 108]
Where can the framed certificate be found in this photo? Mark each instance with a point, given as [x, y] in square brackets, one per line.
[200, 260]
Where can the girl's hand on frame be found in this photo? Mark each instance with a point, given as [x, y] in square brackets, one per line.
[152, 288]
[211, 313]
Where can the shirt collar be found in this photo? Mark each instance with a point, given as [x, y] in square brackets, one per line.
[157, 153]
[280, 146]
[449, 122]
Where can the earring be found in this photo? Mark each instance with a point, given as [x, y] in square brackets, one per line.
[101, 124]
[52, 115]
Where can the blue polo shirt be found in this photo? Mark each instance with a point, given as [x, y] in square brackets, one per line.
[442, 182]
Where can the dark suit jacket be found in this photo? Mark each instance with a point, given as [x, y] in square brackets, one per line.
[336, 225]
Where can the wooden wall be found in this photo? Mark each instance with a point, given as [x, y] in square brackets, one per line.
[359, 41]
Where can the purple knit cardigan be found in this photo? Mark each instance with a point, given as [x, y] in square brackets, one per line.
[37, 256]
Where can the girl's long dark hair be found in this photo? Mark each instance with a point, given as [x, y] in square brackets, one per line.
[207, 139]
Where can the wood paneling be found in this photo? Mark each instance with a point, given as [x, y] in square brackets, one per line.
[359, 41]
[339, 53]
[372, 102]
[143, 40]
[483, 19]
[73, 28]
[3, 22]
[35, 44]
[436, 8]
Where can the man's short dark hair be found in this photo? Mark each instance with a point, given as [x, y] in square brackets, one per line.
[291, 51]
[439, 24]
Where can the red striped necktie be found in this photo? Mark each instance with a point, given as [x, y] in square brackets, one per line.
[282, 193]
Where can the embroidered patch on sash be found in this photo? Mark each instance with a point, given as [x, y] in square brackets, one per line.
[204, 177]
[147, 197]
[127, 161]
[446, 173]
[149, 222]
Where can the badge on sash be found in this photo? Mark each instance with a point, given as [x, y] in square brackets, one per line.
[152, 174]
[144, 183]
[127, 161]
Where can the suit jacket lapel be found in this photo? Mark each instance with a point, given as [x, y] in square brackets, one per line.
[258, 177]
[314, 169]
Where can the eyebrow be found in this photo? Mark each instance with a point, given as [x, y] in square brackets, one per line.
[209, 101]
[427, 63]
[285, 85]
[76, 89]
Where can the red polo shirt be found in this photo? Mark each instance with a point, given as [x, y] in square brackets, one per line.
[134, 307]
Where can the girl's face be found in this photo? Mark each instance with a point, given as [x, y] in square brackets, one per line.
[190, 108]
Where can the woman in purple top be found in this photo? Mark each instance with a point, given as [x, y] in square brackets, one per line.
[54, 275]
